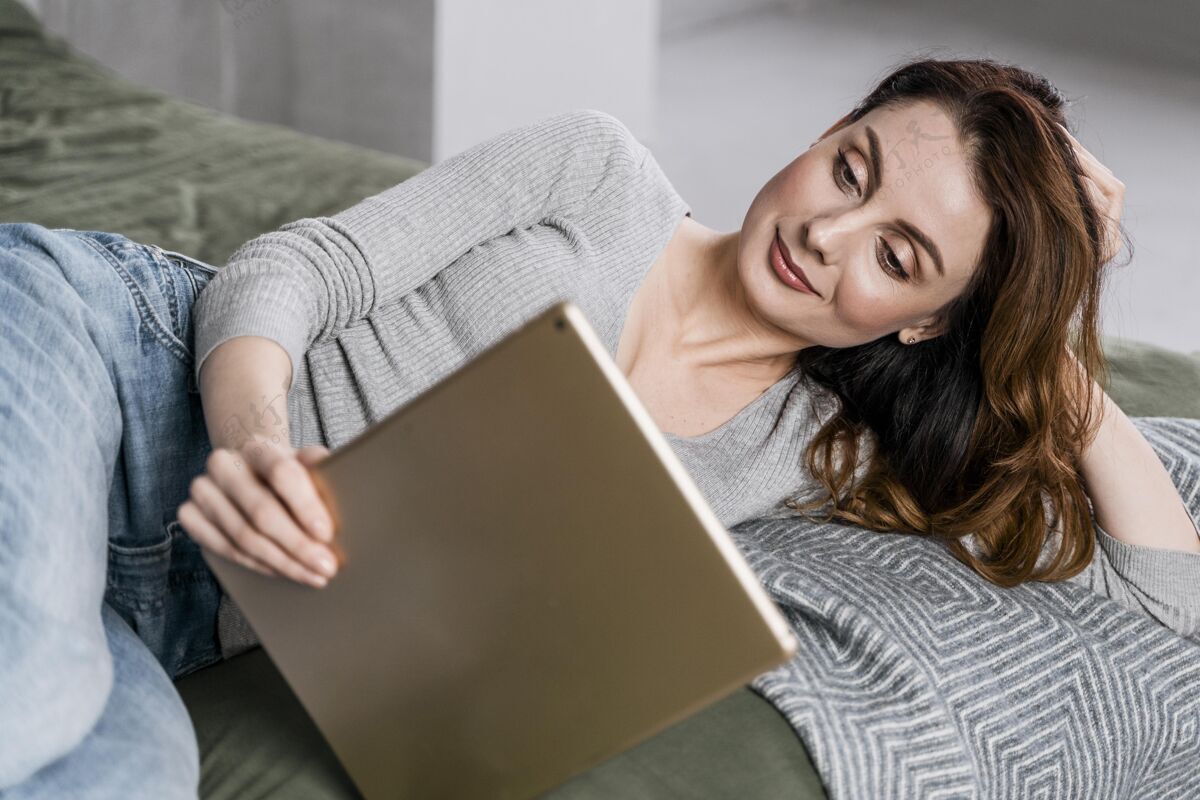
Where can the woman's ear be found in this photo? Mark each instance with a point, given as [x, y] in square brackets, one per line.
[929, 329]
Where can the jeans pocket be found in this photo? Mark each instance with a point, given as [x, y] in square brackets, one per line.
[188, 276]
[187, 261]
[168, 595]
[198, 272]
[137, 584]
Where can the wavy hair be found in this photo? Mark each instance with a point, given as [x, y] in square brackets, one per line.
[974, 430]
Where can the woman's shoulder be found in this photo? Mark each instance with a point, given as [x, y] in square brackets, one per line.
[633, 186]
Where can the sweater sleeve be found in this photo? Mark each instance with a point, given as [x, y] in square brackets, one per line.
[1164, 584]
[314, 277]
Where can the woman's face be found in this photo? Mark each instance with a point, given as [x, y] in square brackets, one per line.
[855, 227]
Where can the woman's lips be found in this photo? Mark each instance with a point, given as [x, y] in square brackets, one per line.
[786, 269]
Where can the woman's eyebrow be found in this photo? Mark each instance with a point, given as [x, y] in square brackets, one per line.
[875, 162]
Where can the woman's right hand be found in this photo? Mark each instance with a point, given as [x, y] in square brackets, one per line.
[1107, 193]
[257, 505]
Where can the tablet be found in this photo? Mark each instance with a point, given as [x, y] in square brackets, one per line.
[532, 583]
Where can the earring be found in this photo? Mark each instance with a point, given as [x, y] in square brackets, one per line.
[912, 340]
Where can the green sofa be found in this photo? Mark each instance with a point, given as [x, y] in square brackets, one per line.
[81, 148]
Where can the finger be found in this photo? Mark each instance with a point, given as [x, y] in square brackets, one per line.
[1106, 191]
[1100, 202]
[1097, 166]
[1106, 206]
[1088, 161]
[1094, 169]
[312, 454]
[1109, 209]
[1075, 143]
[293, 485]
[1108, 185]
[250, 516]
[1096, 192]
[200, 529]
[241, 538]
[257, 502]
[237, 534]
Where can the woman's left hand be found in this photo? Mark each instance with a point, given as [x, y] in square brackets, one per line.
[1108, 195]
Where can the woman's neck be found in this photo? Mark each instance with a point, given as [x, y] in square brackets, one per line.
[713, 327]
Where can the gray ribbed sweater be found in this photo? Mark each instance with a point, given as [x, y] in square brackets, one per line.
[379, 302]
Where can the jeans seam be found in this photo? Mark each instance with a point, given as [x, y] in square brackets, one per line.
[174, 262]
[185, 261]
[132, 601]
[192, 280]
[145, 310]
[192, 385]
[170, 279]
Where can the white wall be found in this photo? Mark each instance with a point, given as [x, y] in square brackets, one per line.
[502, 64]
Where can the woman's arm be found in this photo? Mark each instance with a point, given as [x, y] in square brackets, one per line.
[1147, 553]
[1146, 570]
[256, 503]
[243, 392]
[1133, 497]
[312, 278]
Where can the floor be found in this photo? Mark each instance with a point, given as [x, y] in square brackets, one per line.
[742, 96]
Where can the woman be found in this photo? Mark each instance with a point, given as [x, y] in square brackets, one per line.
[949, 233]
[946, 233]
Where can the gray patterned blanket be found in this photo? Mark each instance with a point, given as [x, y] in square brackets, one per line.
[916, 678]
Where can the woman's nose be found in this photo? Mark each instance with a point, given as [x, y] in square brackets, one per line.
[821, 236]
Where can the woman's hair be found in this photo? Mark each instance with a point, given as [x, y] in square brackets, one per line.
[974, 430]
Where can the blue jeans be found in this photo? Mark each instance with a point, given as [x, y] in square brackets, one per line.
[104, 599]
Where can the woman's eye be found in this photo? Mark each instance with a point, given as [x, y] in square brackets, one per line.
[843, 174]
[889, 261]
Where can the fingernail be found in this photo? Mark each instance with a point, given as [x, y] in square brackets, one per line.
[327, 564]
[318, 581]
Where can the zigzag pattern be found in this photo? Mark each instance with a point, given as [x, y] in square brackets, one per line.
[916, 678]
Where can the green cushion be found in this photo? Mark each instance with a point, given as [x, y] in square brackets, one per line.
[256, 741]
[16, 18]
[1146, 380]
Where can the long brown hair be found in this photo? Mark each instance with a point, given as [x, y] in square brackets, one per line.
[975, 431]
